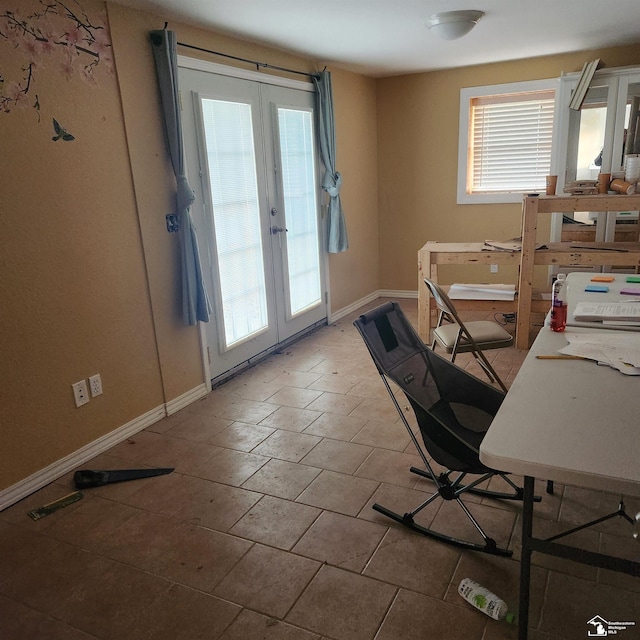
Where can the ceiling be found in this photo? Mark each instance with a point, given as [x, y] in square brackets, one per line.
[389, 37]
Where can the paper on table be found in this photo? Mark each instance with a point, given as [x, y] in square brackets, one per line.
[619, 350]
[482, 291]
[620, 323]
[598, 311]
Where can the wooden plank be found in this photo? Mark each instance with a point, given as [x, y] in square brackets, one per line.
[453, 247]
[527, 262]
[587, 233]
[433, 307]
[562, 254]
[479, 257]
[600, 202]
[424, 299]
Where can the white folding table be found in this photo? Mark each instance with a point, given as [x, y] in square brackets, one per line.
[569, 421]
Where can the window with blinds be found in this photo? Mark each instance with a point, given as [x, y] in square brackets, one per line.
[508, 144]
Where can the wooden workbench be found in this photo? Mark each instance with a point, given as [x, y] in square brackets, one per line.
[620, 254]
[434, 254]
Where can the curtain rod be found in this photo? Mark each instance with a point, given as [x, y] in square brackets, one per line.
[258, 65]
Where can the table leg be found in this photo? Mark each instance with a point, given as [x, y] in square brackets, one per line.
[525, 559]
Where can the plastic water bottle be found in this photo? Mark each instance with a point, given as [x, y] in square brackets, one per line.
[559, 303]
[484, 600]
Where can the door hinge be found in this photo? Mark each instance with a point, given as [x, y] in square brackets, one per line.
[326, 297]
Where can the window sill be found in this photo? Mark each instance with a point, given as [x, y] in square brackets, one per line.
[492, 198]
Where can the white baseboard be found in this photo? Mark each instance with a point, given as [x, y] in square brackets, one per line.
[345, 311]
[41, 478]
[173, 406]
[380, 293]
[398, 293]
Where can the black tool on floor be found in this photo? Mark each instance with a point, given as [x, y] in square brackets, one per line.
[85, 479]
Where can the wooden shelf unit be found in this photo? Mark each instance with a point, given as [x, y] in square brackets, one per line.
[623, 254]
[433, 254]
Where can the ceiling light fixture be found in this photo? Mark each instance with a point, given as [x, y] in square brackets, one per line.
[452, 25]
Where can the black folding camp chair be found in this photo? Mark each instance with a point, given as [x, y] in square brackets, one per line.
[453, 410]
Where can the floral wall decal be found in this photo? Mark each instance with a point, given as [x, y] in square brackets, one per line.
[57, 35]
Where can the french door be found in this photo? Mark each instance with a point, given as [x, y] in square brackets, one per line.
[251, 159]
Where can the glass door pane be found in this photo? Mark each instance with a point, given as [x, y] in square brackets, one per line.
[300, 206]
[589, 147]
[230, 152]
[587, 136]
[590, 142]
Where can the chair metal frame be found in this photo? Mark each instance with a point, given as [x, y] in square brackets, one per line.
[465, 341]
[451, 484]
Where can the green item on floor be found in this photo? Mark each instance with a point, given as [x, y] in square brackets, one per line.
[54, 506]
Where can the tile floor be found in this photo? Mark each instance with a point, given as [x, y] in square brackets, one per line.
[265, 528]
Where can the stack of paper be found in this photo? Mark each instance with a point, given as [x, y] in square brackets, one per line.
[626, 312]
[482, 291]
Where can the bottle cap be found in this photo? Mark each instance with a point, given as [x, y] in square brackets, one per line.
[510, 618]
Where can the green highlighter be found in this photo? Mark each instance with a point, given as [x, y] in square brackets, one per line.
[633, 278]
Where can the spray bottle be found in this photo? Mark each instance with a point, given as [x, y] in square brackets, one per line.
[484, 600]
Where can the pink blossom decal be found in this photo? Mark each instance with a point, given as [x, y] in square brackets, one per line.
[59, 35]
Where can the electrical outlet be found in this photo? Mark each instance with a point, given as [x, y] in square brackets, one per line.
[95, 384]
[80, 392]
[493, 268]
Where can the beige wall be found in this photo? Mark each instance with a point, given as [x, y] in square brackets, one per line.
[90, 278]
[354, 274]
[74, 294]
[418, 158]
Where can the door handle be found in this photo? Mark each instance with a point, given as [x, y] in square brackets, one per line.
[275, 230]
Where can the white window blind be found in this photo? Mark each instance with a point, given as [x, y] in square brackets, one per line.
[510, 142]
